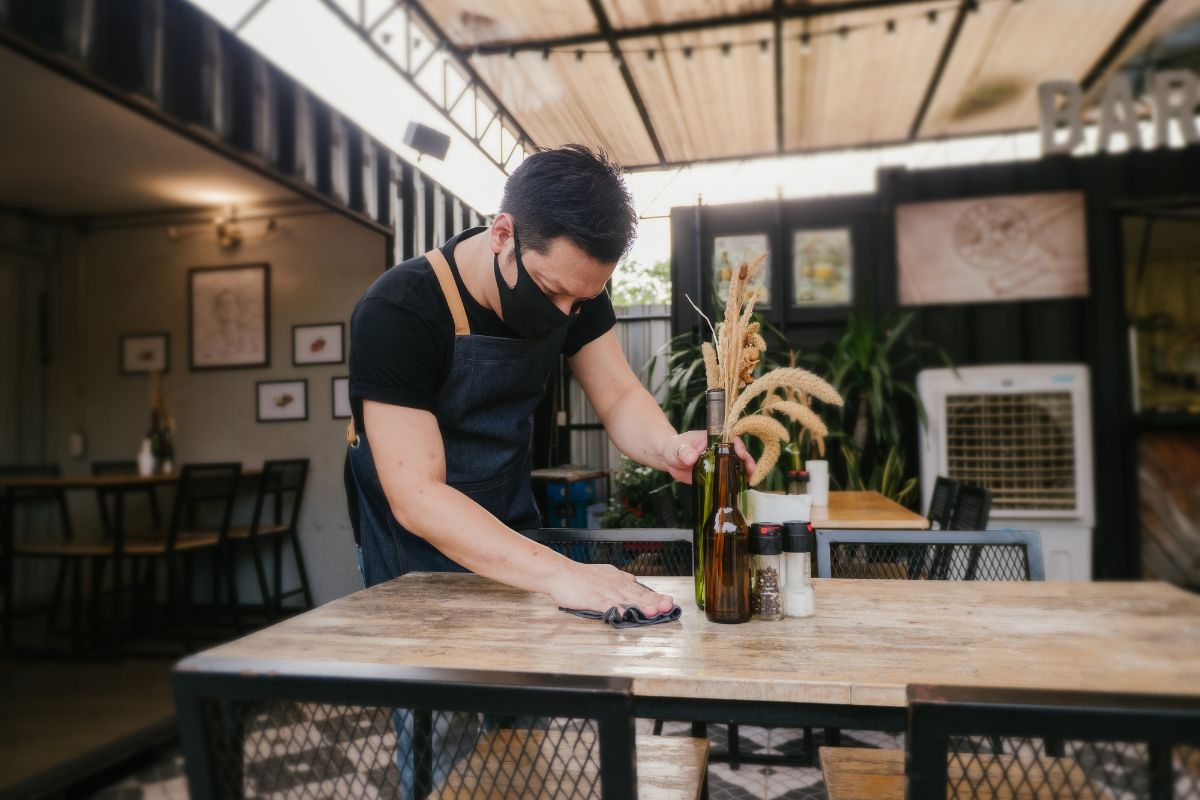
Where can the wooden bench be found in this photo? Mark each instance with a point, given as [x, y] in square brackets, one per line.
[533, 763]
[853, 773]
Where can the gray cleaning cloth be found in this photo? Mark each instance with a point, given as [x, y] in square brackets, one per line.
[632, 617]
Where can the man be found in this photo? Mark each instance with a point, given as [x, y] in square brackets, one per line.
[450, 354]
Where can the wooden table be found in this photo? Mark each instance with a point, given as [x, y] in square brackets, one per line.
[865, 511]
[116, 485]
[847, 666]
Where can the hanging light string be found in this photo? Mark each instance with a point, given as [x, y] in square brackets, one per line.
[890, 25]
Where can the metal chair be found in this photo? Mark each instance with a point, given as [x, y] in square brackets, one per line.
[202, 487]
[647, 552]
[33, 498]
[356, 730]
[971, 509]
[941, 504]
[931, 555]
[969, 742]
[104, 496]
[282, 483]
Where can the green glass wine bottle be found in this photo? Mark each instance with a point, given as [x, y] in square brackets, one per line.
[703, 475]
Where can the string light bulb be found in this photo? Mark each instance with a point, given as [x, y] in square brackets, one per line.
[545, 54]
[843, 31]
[650, 54]
[725, 48]
[578, 55]
[932, 14]
[763, 45]
[687, 53]
[805, 43]
[891, 26]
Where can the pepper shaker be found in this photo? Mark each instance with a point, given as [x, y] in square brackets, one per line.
[798, 544]
[766, 589]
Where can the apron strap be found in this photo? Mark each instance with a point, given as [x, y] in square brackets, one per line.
[441, 268]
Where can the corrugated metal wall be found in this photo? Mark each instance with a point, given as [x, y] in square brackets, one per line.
[642, 331]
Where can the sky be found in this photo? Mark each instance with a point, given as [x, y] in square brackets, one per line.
[307, 40]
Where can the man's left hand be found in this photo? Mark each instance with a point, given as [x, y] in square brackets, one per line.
[682, 450]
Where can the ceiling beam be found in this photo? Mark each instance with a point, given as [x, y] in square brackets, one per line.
[685, 25]
[1124, 37]
[939, 70]
[614, 46]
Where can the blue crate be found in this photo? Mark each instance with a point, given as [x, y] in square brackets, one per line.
[575, 492]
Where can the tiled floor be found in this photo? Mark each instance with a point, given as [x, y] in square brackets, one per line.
[165, 781]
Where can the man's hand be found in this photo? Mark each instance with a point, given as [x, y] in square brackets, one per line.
[681, 451]
[599, 587]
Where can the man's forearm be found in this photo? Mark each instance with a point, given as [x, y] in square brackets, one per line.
[466, 533]
[638, 427]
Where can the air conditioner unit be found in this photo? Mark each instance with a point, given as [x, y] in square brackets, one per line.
[1023, 431]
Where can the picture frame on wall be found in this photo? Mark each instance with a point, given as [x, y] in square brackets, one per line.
[729, 253]
[822, 267]
[229, 317]
[281, 401]
[341, 397]
[321, 343]
[142, 353]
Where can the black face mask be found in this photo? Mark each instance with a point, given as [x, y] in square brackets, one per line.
[525, 307]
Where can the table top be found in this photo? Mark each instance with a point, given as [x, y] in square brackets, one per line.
[868, 640]
[865, 511]
[100, 481]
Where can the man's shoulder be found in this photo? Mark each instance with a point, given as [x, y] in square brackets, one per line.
[408, 295]
[406, 283]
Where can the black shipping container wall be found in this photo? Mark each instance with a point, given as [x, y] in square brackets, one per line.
[1090, 330]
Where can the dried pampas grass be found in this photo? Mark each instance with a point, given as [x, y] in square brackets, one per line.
[730, 362]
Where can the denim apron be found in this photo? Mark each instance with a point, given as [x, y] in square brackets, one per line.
[485, 413]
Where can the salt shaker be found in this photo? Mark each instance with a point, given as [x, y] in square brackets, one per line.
[766, 575]
[798, 542]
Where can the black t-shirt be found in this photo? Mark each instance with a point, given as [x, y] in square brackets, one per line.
[402, 335]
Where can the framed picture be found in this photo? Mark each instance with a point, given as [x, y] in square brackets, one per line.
[318, 344]
[229, 317]
[145, 352]
[992, 249]
[729, 253]
[822, 267]
[341, 398]
[282, 401]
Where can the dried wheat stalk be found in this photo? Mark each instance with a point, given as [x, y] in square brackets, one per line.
[730, 362]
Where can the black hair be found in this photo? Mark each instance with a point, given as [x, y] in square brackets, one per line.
[571, 191]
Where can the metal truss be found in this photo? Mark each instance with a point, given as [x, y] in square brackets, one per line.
[414, 57]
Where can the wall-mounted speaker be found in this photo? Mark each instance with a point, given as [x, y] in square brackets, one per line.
[427, 141]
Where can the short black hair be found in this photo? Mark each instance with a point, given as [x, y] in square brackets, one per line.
[571, 191]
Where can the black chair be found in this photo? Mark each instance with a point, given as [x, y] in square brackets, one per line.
[282, 484]
[104, 496]
[931, 555]
[647, 552]
[941, 504]
[355, 731]
[28, 499]
[971, 509]
[205, 492]
[969, 742]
